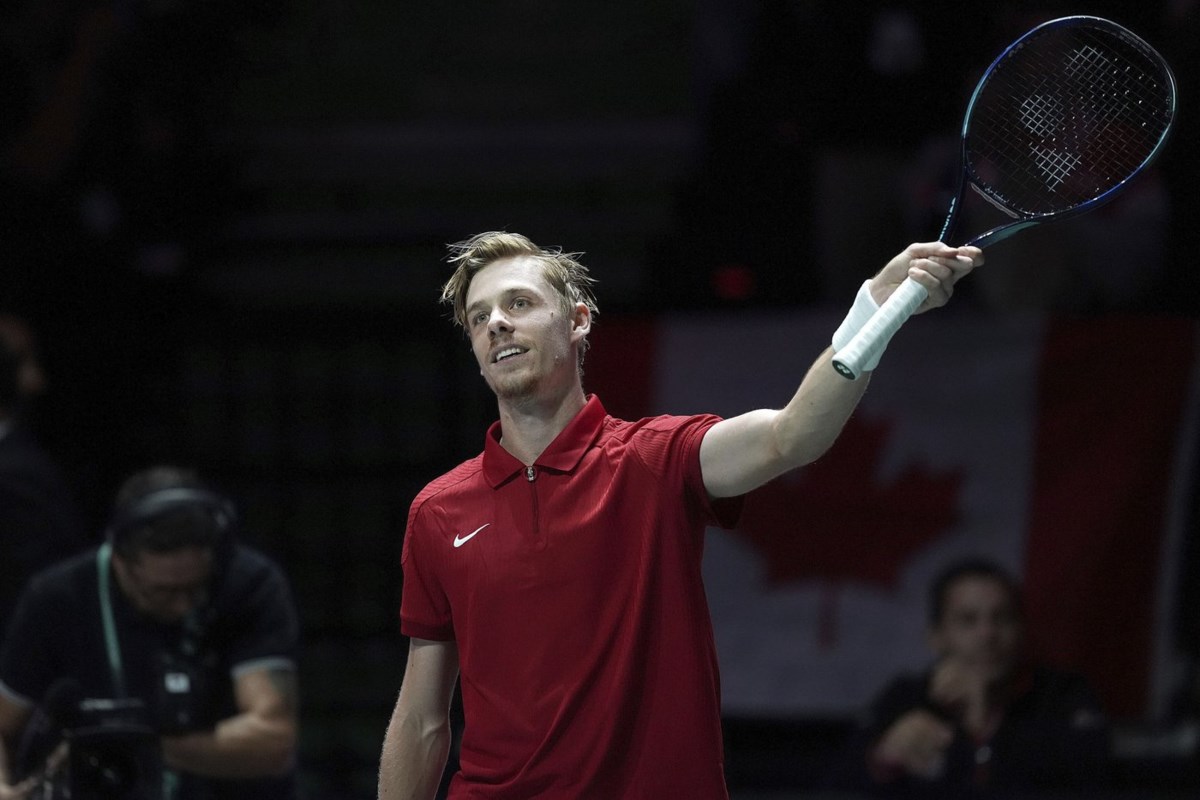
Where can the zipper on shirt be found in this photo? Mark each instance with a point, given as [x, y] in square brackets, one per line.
[530, 477]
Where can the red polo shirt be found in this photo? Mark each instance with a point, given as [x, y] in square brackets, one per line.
[573, 589]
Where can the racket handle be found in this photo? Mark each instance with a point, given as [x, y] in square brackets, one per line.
[874, 336]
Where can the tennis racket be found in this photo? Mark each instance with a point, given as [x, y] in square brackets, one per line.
[1058, 125]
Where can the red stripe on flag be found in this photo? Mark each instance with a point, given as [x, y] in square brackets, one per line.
[1110, 398]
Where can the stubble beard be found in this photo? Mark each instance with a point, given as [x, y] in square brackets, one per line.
[526, 385]
[514, 385]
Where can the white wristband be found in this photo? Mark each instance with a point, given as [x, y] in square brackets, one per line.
[860, 313]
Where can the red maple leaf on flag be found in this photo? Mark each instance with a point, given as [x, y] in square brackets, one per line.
[833, 521]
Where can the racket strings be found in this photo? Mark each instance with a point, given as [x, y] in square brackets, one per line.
[1065, 118]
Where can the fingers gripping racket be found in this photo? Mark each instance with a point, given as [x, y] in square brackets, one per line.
[1058, 125]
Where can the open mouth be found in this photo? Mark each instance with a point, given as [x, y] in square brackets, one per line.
[506, 353]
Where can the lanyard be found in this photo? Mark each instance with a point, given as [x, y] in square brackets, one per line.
[170, 778]
[111, 645]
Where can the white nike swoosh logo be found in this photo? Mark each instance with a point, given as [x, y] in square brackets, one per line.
[459, 541]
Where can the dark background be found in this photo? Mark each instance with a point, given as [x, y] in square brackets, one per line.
[227, 221]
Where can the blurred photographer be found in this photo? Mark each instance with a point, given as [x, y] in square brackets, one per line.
[165, 659]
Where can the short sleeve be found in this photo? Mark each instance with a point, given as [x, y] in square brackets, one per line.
[670, 447]
[266, 629]
[424, 608]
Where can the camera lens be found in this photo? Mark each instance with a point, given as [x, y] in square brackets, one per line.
[106, 772]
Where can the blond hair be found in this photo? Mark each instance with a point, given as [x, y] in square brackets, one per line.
[564, 273]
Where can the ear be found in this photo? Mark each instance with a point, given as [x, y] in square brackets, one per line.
[121, 569]
[936, 643]
[581, 322]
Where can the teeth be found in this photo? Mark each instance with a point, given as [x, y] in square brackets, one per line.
[510, 351]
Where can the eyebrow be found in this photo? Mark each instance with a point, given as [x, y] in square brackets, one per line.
[504, 295]
[471, 309]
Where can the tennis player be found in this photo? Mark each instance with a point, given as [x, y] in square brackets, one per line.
[558, 572]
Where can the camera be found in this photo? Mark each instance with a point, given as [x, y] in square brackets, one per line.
[180, 703]
[113, 744]
[113, 754]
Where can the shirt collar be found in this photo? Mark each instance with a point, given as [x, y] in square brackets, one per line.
[563, 454]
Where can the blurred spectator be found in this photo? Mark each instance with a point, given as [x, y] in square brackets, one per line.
[39, 523]
[191, 635]
[983, 718]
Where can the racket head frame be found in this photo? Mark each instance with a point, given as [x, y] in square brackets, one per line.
[968, 175]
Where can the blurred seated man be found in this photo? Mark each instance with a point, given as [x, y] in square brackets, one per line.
[981, 720]
[39, 522]
[166, 659]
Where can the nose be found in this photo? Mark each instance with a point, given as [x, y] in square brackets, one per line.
[498, 322]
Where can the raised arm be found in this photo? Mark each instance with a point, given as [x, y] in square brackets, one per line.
[418, 737]
[741, 453]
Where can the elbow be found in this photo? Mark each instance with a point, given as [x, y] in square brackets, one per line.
[798, 445]
[275, 754]
[801, 456]
[816, 451]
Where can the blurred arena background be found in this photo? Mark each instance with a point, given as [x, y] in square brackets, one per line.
[226, 221]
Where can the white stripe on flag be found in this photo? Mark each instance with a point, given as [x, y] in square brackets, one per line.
[821, 596]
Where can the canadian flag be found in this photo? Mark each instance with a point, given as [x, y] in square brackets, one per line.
[1061, 448]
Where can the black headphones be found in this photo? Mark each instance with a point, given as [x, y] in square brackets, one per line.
[191, 657]
[156, 503]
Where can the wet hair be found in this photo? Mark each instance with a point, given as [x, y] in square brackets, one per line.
[950, 575]
[563, 271]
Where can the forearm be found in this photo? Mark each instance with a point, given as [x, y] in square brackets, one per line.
[744, 452]
[810, 423]
[248, 745]
[414, 756]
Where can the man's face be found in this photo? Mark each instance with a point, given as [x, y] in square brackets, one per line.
[523, 341]
[166, 586]
[980, 626]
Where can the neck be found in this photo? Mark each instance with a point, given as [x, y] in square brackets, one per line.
[529, 426]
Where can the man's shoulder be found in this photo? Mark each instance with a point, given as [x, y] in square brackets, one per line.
[655, 440]
[247, 558]
[459, 479]
[627, 430]
[54, 599]
[249, 569]
[254, 581]
[66, 576]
